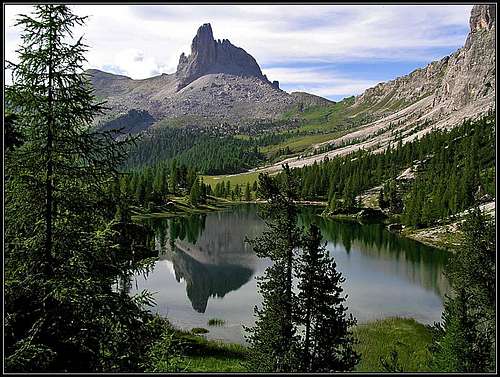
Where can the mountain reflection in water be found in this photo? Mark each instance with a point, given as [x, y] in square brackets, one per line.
[210, 254]
[207, 270]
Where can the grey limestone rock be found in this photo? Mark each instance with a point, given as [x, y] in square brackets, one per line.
[210, 56]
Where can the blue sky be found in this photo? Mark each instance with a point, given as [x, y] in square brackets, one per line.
[330, 50]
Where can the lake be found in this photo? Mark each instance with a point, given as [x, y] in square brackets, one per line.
[207, 270]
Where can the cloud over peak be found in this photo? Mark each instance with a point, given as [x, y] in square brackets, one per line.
[299, 45]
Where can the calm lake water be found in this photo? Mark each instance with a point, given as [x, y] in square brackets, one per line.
[206, 270]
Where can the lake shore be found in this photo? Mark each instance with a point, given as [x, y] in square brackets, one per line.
[443, 237]
[377, 339]
[180, 206]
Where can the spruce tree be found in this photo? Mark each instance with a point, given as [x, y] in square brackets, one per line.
[248, 195]
[63, 249]
[465, 341]
[195, 193]
[327, 344]
[333, 205]
[173, 179]
[273, 339]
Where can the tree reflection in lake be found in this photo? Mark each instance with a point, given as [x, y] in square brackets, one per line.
[206, 265]
[421, 264]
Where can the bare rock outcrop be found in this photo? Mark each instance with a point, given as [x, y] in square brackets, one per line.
[482, 17]
[211, 56]
[465, 78]
[470, 73]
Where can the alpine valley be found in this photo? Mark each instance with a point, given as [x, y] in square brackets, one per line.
[219, 91]
[207, 220]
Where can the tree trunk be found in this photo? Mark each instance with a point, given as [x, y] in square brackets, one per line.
[307, 339]
[49, 165]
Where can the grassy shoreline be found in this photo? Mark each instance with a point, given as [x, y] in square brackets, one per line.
[377, 339]
[408, 337]
[203, 355]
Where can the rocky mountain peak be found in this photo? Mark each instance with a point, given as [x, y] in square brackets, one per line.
[203, 45]
[211, 56]
[482, 17]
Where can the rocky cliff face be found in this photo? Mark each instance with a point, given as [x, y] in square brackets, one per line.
[466, 78]
[482, 17]
[470, 72]
[210, 56]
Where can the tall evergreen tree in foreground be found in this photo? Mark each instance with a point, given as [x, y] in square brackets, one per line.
[278, 343]
[63, 250]
[273, 339]
[465, 341]
[328, 342]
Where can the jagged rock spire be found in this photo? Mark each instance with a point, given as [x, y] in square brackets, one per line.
[210, 56]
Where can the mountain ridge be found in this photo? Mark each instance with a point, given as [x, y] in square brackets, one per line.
[217, 83]
[441, 95]
[455, 81]
[211, 56]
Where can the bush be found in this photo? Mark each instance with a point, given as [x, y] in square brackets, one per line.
[216, 322]
[199, 330]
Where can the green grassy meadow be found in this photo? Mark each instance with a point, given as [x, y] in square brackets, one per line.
[406, 336]
[376, 340]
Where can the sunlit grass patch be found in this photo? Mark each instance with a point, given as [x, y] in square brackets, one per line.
[409, 338]
[216, 322]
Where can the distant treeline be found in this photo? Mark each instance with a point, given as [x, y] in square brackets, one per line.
[207, 154]
[452, 169]
[208, 151]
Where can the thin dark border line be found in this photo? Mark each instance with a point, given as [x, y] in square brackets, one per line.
[230, 3]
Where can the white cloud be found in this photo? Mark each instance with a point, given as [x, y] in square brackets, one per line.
[319, 81]
[120, 36]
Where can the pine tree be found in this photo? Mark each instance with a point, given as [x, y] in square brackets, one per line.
[381, 199]
[465, 342]
[195, 193]
[328, 342]
[458, 345]
[273, 339]
[191, 176]
[174, 177]
[254, 186]
[140, 193]
[248, 195]
[218, 191]
[333, 205]
[237, 192]
[63, 250]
